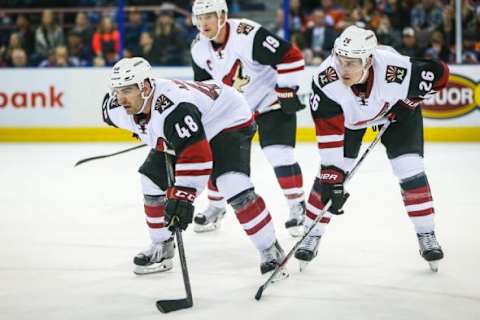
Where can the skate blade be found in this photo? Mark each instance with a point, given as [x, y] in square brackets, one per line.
[296, 231]
[302, 265]
[433, 265]
[163, 266]
[199, 228]
[281, 275]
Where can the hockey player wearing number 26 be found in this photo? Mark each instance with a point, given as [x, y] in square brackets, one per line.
[266, 70]
[209, 126]
[361, 85]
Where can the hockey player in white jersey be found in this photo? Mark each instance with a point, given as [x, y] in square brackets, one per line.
[209, 126]
[266, 70]
[361, 85]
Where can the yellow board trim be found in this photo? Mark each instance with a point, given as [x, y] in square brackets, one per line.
[436, 134]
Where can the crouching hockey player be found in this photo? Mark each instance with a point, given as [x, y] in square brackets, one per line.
[361, 85]
[209, 126]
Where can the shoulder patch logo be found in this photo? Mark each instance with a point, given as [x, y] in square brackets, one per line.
[327, 76]
[395, 74]
[244, 28]
[163, 103]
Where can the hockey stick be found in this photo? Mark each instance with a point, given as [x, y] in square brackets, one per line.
[349, 175]
[166, 306]
[109, 155]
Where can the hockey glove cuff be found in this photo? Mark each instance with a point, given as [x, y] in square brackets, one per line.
[179, 207]
[402, 110]
[332, 188]
[289, 101]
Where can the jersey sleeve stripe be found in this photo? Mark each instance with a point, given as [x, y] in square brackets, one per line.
[290, 65]
[203, 172]
[198, 152]
[194, 166]
[283, 71]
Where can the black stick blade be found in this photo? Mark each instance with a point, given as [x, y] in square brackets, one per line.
[258, 296]
[166, 306]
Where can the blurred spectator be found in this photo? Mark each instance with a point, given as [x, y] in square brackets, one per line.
[409, 47]
[297, 15]
[386, 34]
[25, 33]
[334, 13]
[470, 54]
[19, 58]
[13, 44]
[133, 29]
[319, 37]
[106, 41]
[58, 58]
[437, 49]
[98, 61]
[168, 43]
[47, 36]
[277, 27]
[146, 46]
[82, 27]
[189, 29]
[399, 14]
[426, 17]
[79, 51]
[371, 14]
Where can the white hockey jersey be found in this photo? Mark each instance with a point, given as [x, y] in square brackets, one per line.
[392, 79]
[252, 60]
[186, 115]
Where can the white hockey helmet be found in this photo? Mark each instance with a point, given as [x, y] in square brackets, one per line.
[355, 42]
[130, 71]
[207, 6]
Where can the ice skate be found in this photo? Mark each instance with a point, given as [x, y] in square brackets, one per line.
[295, 220]
[307, 250]
[271, 258]
[209, 220]
[158, 258]
[430, 250]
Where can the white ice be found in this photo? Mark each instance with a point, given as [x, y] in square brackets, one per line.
[68, 236]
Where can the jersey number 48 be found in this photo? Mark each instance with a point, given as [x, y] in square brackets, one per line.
[187, 130]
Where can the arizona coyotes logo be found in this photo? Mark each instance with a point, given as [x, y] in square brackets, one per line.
[235, 77]
[395, 74]
[244, 28]
[327, 76]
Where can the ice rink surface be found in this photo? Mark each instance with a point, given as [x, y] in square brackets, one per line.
[68, 236]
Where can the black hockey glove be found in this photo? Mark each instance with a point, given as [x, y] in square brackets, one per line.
[179, 207]
[332, 180]
[402, 110]
[289, 101]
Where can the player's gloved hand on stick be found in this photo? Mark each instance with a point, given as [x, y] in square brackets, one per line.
[289, 101]
[332, 180]
[179, 207]
[402, 110]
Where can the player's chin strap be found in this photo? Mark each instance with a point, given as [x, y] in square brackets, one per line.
[145, 98]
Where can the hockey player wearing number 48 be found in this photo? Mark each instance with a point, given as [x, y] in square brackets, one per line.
[266, 70]
[361, 85]
[209, 126]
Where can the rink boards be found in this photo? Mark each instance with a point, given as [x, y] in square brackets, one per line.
[65, 105]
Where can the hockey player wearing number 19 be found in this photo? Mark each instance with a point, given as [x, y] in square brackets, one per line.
[209, 126]
[361, 85]
[266, 70]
